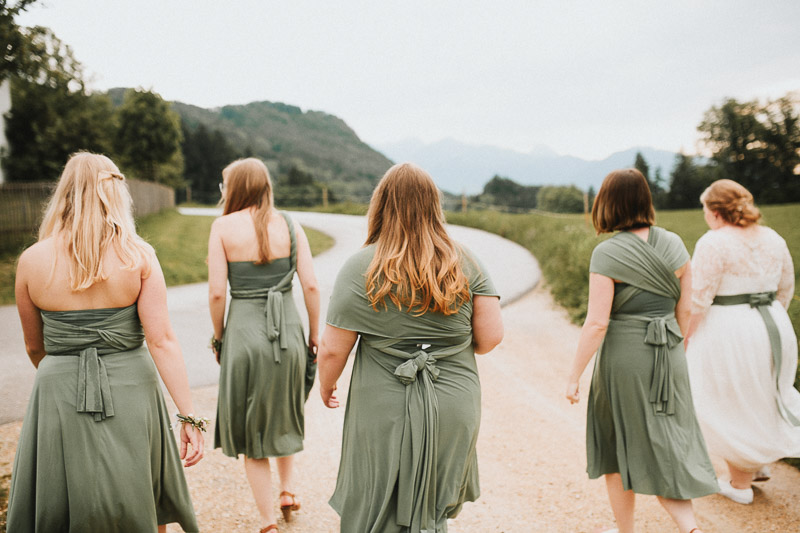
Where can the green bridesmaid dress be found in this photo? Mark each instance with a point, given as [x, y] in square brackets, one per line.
[408, 448]
[263, 362]
[96, 453]
[641, 421]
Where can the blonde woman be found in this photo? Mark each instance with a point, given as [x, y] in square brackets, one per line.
[422, 307]
[742, 351]
[261, 348]
[96, 453]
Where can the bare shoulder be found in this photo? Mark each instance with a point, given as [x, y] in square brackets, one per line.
[38, 255]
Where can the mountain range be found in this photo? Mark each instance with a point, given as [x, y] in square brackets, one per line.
[324, 145]
[460, 167]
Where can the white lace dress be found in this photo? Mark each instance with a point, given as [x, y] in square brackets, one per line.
[729, 356]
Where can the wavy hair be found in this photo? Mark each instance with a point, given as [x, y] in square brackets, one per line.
[416, 265]
[91, 210]
[247, 184]
[732, 201]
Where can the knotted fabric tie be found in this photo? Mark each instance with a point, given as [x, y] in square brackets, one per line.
[100, 332]
[273, 311]
[663, 333]
[416, 482]
[762, 302]
[94, 391]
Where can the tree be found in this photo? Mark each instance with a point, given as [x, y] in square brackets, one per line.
[148, 138]
[205, 154]
[500, 191]
[559, 199]
[656, 184]
[687, 183]
[52, 115]
[757, 145]
[641, 165]
[13, 38]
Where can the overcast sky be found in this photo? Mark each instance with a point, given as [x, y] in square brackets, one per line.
[585, 78]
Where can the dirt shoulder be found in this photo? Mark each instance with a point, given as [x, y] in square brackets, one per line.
[531, 453]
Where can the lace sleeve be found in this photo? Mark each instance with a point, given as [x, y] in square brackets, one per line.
[786, 283]
[708, 266]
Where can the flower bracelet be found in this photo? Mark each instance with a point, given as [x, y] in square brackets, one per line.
[200, 423]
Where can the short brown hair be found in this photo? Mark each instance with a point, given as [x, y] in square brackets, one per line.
[623, 202]
[732, 201]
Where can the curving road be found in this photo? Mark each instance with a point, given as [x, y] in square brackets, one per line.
[512, 267]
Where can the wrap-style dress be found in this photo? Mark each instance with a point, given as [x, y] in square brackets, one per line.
[96, 453]
[641, 421]
[263, 361]
[413, 410]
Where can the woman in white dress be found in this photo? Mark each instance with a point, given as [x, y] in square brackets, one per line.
[742, 349]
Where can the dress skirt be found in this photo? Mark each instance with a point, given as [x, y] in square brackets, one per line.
[121, 474]
[654, 452]
[734, 387]
[260, 410]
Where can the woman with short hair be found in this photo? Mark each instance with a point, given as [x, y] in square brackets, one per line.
[742, 351]
[641, 430]
[96, 452]
[422, 307]
[261, 349]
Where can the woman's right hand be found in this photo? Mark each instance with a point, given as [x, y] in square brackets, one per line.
[329, 397]
[191, 437]
[573, 392]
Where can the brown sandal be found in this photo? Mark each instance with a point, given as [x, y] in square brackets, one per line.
[287, 509]
[271, 527]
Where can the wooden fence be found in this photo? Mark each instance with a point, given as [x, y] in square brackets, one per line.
[22, 206]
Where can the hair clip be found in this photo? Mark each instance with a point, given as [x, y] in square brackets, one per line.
[107, 174]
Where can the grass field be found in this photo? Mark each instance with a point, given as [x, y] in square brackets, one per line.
[181, 243]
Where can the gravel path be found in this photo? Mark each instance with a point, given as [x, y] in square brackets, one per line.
[531, 445]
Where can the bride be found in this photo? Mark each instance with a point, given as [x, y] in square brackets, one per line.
[742, 352]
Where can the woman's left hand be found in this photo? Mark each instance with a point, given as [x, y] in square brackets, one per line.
[573, 392]
[313, 345]
[329, 397]
[191, 437]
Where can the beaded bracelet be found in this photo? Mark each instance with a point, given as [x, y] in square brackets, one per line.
[200, 423]
[215, 344]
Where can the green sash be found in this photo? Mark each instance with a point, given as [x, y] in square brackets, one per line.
[89, 334]
[416, 482]
[762, 302]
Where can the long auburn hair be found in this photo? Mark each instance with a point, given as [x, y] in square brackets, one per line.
[91, 210]
[416, 264]
[248, 185]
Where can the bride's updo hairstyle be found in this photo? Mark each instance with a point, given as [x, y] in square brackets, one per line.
[732, 202]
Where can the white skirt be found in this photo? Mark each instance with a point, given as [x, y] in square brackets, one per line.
[734, 388]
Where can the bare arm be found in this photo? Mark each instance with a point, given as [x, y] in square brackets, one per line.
[336, 346]
[217, 281]
[166, 353]
[29, 314]
[308, 280]
[487, 323]
[601, 296]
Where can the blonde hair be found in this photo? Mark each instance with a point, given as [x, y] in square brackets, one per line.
[732, 201]
[90, 210]
[416, 264]
[248, 185]
[623, 202]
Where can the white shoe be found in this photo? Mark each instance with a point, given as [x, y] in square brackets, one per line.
[763, 474]
[744, 496]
